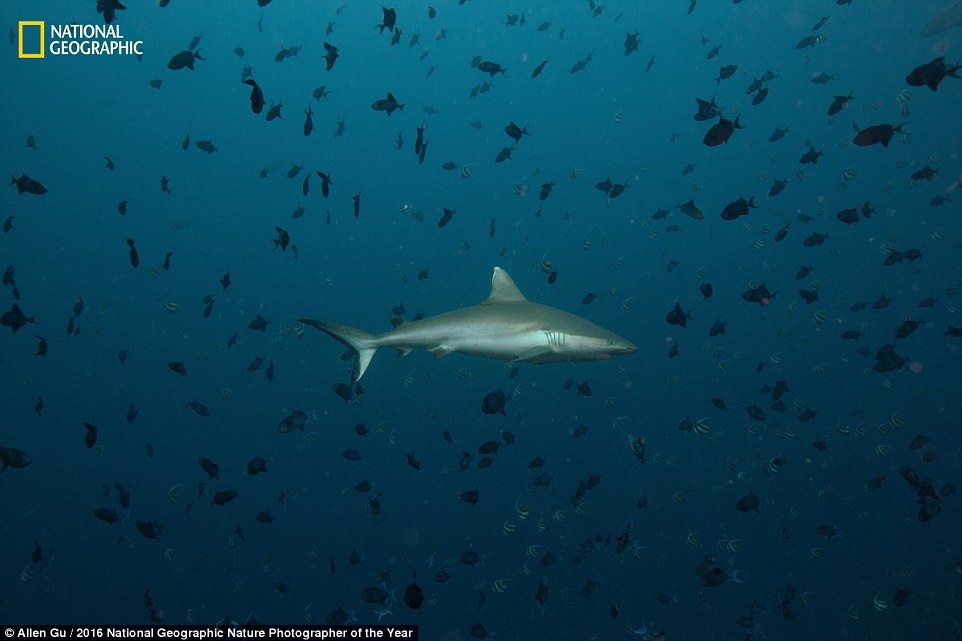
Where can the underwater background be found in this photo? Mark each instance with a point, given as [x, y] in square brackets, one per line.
[789, 474]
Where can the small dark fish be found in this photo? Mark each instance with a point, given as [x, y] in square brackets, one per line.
[489, 447]
[184, 59]
[223, 497]
[109, 9]
[581, 64]
[811, 41]
[706, 290]
[471, 498]
[446, 217]
[721, 131]
[726, 72]
[388, 105]
[815, 239]
[15, 318]
[504, 154]
[780, 388]
[210, 468]
[134, 256]
[295, 421]
[692, 210]
[494, 403]
[26, 184]
[331, 56]
[255, 466]
[748, 503]
[811, 156]
[777, 187]
[325, 182]
[932, 73]
[106, 514]
[199, 408]
[264, 517]
[926, 173]
[907, 328]
[901, 597]
[839, 103]
[90, 436]
[275, 111]
[515, 132]
[259, 323]
[713, 577]
[755, 412]
[205, 145]
[414, 462]
[165, 181]
[887, 360]
[151, 529]
[413, 594]
[14, 458]
[616, 190]
[492, 68]
[390, 19]
[356, 198]
[631, 43]
[344, 391]
[257, 96]
[706, 109]
[537, 70]
[178, 367]
[848, 216]
[758, 294]
[920, 441]
[778, 134]
[678, 316]
[738, 208]
[877, 134]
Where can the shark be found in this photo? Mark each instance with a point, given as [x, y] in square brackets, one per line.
[505, 326]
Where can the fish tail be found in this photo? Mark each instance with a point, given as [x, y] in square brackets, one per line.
[359, 341]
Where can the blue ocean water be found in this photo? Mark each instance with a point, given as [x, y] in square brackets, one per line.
[615, 546]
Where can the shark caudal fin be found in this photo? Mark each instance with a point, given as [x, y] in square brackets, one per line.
[357, 340]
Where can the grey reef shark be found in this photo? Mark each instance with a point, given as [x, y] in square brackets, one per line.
[506, 326]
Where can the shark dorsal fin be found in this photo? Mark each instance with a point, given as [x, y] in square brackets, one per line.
[503, 289]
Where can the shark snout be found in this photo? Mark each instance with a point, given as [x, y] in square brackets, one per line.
[626, 347]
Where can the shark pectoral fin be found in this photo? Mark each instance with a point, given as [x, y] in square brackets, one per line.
[440, 351]
[532, 354]
[356, 339]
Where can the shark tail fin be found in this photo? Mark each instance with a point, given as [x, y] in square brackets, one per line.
[359, 341]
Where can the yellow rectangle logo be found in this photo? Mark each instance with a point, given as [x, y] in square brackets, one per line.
[31, 39]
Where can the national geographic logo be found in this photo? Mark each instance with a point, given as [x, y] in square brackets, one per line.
[74, 40]
[30, 33]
